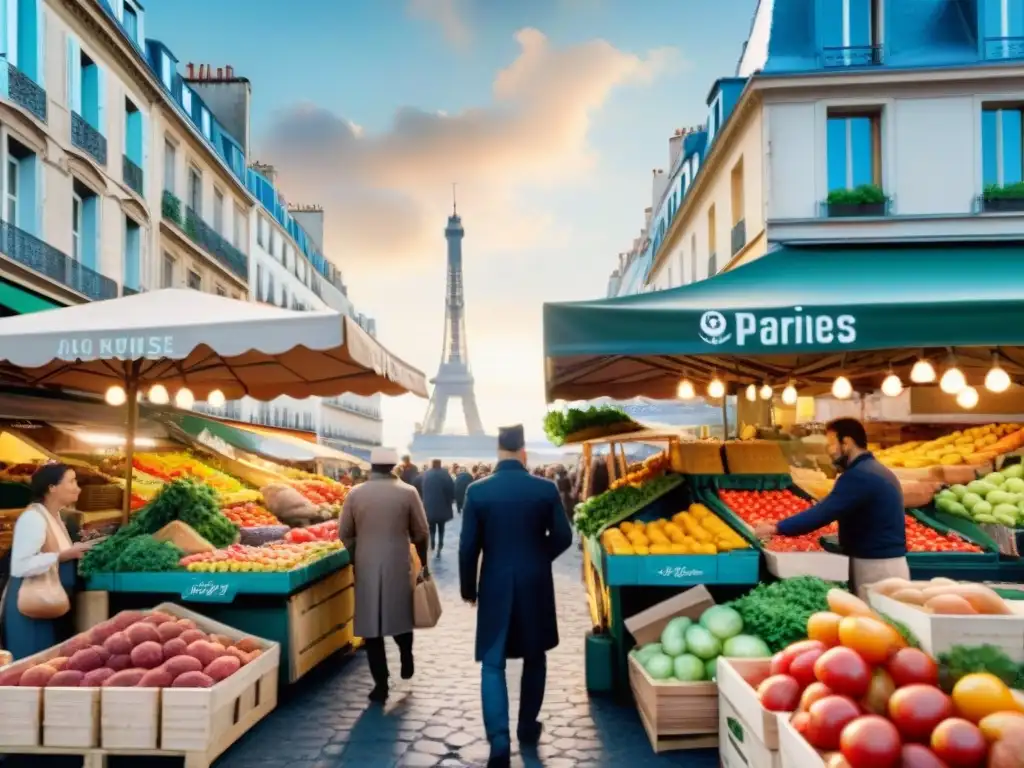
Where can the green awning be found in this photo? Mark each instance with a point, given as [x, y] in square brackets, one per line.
[796, 312]
[21, 301]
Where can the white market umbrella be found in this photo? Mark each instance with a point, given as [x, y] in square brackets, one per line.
[187, 339]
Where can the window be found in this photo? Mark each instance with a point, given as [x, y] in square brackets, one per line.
[204, 122]
[682, 267]
[1004, 25]
[195, 282]
[186, 99]
[85, 224]
[259, 282]
[854, 147]
[167, 271]
[261, 232]
[76, 227]
[219, 290]
[1002, 139]
[275, 244]
[736, 190]
[132, 254]
[11, 192]
[90, 98]
[693, 258]
[130, 22]
[712, 241]
[218, 211]
[170, 161]
[132, 133]
[852, 33]
[195, 190]
[166, 71]
[239, 225]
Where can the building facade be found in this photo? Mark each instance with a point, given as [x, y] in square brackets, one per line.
[852, 121]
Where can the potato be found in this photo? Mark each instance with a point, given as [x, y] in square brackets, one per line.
[186, 623]
[69, 678]
[99, 634]
[156, 678]
[125, 619]
[253, 656]
[103, 652]
[169, 630]
[86, 660]
[174, 647]
[147, 655]
[179, 665]
[37, 677]
[120, 662]
[96, 678]
[70, 647]
[118, 643]
[242, 656]
[247, 644]
[205, 651]
[222, 639]
[223, 667]
[140, 632]
[58, 662]
[191, 635]
[192, 680]
[11, 677]
[127, 678]
[156, 618]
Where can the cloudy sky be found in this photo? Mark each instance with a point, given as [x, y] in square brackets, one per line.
[550, 115]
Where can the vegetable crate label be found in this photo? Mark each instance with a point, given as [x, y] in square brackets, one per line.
[676, 569]
[209, 591]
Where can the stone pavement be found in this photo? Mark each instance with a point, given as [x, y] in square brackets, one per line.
[326, 722]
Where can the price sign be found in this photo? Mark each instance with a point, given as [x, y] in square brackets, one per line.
[212, 590]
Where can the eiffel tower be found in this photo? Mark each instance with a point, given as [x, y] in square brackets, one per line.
[454, 378]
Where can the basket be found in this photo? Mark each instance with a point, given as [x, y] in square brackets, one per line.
[755, 457]
[95, 498]
[697, 458]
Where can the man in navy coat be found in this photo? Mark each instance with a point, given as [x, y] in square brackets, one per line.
[516, 522]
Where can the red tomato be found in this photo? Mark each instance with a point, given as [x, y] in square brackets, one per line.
[912, 665]
[876, 700]
[813, 693]
[916, 710]
[800, 722]
[828, 717]
[802, 667]
[870, 742]
[844, 671]
[920, 756]
[960, 743]
[782, 659]
[779, 693]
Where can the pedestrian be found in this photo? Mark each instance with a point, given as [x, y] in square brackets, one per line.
[379, 520]
[438, 497]
[513, 528]
[564, 485]
[463, 479]
[408, 471]
[867, 502]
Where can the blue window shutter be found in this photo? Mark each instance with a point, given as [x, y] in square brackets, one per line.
[989, 147]
[861, 151]
[860, 22]
[836, 153]
[144, 128]
[1012, 161]
[993, 18]
[831, 28]
[74, 76]
[118, 7]
[101, 100]
[1015, 18]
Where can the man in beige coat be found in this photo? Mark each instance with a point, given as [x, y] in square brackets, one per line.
[379, 520]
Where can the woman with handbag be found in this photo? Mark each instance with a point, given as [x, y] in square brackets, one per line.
[37, 601]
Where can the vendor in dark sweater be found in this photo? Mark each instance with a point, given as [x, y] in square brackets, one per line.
[867, 502]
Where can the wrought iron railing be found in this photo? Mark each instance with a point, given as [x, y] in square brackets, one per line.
[210, 239]
[170, 208]
[852, 56]
[342, 404]
[739, 236]
[29, 251]
[126, 291]
[84, 136]
[26, 92]
[1004, 48]
[133, 176]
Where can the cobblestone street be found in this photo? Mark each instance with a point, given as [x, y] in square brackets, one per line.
[328, 721]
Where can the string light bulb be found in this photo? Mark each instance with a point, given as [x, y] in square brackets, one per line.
[967, 397]
[158, 395]
[922, 373]
[184, 399]
[892, 386]
[216, 399]
[842, 388]
[716, 388]
[752, 393]
[997, 380]
[766, 392]
[952, 381]
[685, 390]
[789, 394]
[116, 396]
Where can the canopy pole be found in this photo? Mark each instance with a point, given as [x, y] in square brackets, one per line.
[725, 417]
[132, 391]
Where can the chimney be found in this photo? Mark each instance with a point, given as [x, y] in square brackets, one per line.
[228, 98]
[675, 148]
[311, 219]
[266, 170]
[191, 70]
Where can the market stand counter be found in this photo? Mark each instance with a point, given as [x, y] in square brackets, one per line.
[309, 612]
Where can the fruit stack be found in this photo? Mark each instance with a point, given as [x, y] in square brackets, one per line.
[695, 531]
[269, 558]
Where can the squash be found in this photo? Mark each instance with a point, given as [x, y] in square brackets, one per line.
[845, 604]
[888, 586]
[184, 537]
[981, 599]
[950, 605]
[909, 596]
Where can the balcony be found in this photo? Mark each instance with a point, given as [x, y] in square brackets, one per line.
[126, 291]
[26, 92]
[203, 235]
[852, 56]
[133, 176]
[343, 405]
[85, 137]
[1003, 48]
[31, 252]
[739, 236]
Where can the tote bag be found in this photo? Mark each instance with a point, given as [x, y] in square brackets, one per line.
[43, 596]
[426, 603]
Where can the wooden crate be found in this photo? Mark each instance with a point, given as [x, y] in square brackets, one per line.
[130, 718]
[21, 717]
[675, 715]
[320, 621]
[71, 717]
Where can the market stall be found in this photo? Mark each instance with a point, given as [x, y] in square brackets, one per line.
[805, 322]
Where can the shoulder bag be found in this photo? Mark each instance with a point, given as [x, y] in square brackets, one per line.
[43, 596]
[426, 602]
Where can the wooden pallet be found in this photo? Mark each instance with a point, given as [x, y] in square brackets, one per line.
[320, 621]
[668, 742]
[97, 758]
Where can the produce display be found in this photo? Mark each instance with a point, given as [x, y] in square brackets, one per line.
[613, 506]
[865, 699]
[560, 425]
[652, 467]
[976, 445]
[696, 531]
[320, 532]
[138, 650]
[173, 466]
[269, 558]
[249, 515]
[778, 612]
[688, 651]
[997, 498]
[945, 596]
[322, 492]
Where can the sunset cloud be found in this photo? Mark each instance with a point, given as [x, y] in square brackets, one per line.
[446, 14]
